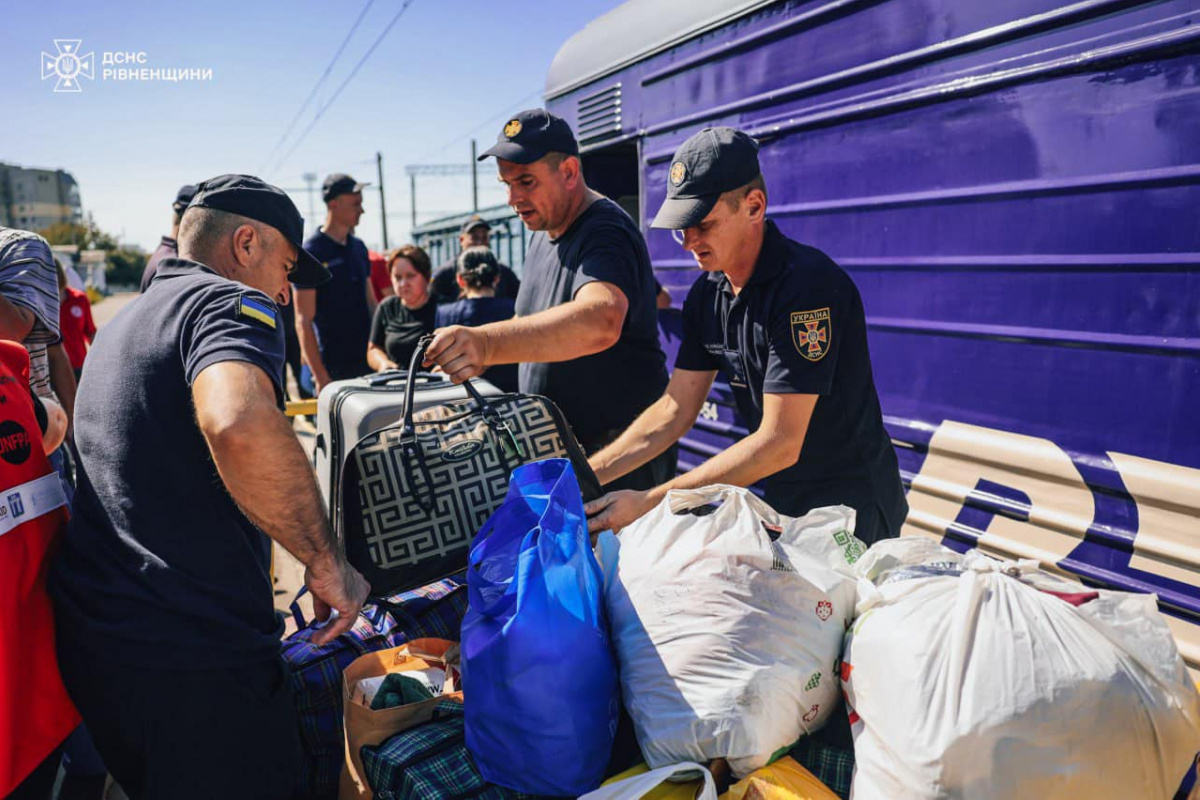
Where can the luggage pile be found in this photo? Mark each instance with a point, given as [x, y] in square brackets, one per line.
[972, 677]
[726, 633]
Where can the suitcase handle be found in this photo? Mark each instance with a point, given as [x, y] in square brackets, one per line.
[411, 448]
[397, 375]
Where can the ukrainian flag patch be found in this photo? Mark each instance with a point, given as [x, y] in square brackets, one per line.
[257, 310]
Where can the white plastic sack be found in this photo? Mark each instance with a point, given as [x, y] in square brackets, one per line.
[727, 640]
[967, 680]
[638, 786]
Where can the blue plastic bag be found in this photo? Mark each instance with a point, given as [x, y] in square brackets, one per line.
[539, 674]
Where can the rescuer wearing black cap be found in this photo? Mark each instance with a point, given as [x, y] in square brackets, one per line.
[475, 232]
[333, 322]
[784, 325]
[168, 248]
[162, 588]
[586, 331]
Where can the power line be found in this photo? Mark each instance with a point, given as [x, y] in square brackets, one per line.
[345, 83]
[508, 109]
[320, 81]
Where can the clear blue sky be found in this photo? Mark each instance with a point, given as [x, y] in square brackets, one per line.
[447, 70]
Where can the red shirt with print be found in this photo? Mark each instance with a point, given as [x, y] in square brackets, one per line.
[78, 328]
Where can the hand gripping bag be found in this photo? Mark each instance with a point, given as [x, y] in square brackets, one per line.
[970, 677]
[539, 675]
[728, 622]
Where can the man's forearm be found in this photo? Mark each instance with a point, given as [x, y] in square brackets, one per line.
[746, 462]
[282, 501]
[656, 429]
[562, 333]
[16, 321]
[62, 379]
[309, 349]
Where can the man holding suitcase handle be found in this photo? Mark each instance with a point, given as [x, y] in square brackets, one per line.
[168, 634]
[586, 330]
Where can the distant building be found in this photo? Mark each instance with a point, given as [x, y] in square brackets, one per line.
[33, 199]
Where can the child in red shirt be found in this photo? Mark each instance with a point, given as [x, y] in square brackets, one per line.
[75, 321]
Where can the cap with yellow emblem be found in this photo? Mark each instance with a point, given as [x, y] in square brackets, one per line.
[713, 161]
[530, 135]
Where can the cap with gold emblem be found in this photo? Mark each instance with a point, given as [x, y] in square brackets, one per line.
[711, 162]
[530, 135]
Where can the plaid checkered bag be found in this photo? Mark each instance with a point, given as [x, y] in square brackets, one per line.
[429, 761]
[316, 671]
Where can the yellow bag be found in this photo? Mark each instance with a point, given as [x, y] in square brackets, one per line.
[783, 780]
[664, 791]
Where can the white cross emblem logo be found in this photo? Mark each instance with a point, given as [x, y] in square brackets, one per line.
[68, 65]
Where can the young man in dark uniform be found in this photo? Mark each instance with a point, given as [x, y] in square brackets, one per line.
[586, 331]
[333, 322]
[785, 326]
[167, 635]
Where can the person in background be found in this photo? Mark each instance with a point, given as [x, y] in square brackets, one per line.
[168, 248]
[381, 281]
[475, 233]
[478, 275]
[78, 329]
[333, 321]
[406, 316]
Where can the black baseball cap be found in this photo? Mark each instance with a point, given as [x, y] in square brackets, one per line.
[340, 183]
[532, 134]
[474, 221]
[711, 162]
[183, 197]
[255, 198]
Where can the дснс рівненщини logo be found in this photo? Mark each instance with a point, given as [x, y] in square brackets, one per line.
[68, 65]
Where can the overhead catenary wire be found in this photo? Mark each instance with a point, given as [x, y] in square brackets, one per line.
[508, 109]
[321, 112]
[320, 82]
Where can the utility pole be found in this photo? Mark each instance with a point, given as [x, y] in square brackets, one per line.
[474, 179]
[310, 178]
[382, 202]
[412, 177]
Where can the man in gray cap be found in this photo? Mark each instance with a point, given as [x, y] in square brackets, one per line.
[167, 632]
[475, 232]
[785, 327]
[586, 332]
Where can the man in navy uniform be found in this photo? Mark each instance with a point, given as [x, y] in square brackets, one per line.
[333, 321]
[586, 331]
[168, 638]
[785, 326]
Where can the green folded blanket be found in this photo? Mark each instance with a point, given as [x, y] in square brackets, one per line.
[398, 689]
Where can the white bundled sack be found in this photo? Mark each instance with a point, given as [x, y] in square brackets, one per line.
[967, 679]
[726, 640]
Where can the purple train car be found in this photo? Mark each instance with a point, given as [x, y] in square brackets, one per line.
[1015, 188]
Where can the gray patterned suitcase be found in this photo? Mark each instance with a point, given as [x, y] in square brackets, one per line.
[351, 409]
[412, 495]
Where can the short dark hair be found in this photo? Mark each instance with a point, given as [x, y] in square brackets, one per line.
[478, 267]
[415, 255]
[554, 159]
[204, 228]
[734, 197]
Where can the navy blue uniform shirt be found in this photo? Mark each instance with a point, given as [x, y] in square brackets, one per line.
[475, 311]
[600, 394]
[798, 327]
[159, 566]
[342, 321]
